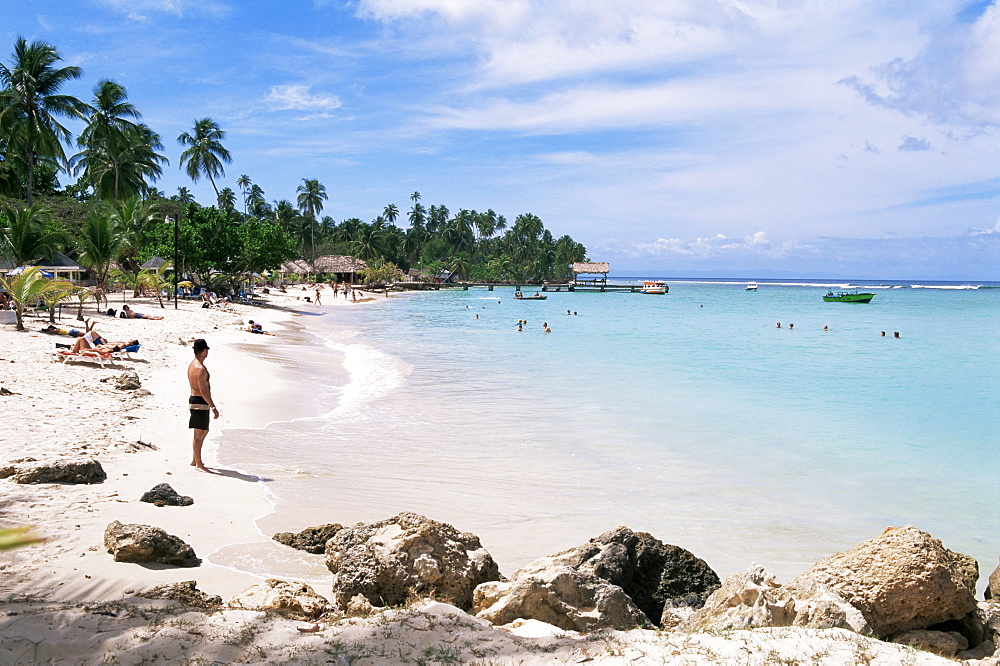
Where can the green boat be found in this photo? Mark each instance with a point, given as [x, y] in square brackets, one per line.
[848, 297]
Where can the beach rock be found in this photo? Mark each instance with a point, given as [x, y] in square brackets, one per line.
[58, 471]
[296, 600]
[390, 560]
[128, 380]
[567, 598]
[144, 543]
[651, 572]
[757, 599]
[359, 607]
[993, 589]
[162, 494]
[945, 643]
[902, 579]
[185, 592]
[311, 539]
[988, 613]
[746, 600]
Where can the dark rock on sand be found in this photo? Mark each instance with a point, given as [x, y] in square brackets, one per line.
[185, 592]
[128, 380]
[162, 494]
[390, 560]
[144, 544]
[54, 471]
[651, 572]
[296, 600]
[902, 579]
[311, 539]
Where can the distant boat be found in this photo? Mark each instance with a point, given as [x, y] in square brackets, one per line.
[751, 286]
[654, 287]
[537, 297]
[848, 297]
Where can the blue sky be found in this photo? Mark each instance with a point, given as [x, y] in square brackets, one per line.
[856, 138]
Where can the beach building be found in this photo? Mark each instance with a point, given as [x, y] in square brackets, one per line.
[601, 268]
[342, 267]
[61, 267]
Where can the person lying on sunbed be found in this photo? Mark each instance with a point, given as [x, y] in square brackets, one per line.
[131, 345]
[132, 314]
[88, 340]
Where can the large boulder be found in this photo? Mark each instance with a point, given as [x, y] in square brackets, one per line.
[651, 572]
[54, 471]
[128, 380]
[162, 494]
[756, 599]
[993, 589]
[945, 643]
[296, 600]
[143, 544]
[558, 595]
[902, 579]
[311, 539]
[390, 560]
[185, 592]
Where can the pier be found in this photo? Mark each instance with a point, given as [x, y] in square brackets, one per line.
[597, 286]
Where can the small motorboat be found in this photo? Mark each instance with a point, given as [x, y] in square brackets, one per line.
[751, 286]
[654, 287]
[537, 297]
[848, 297]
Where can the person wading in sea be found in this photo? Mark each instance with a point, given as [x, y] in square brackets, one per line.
[200, 402]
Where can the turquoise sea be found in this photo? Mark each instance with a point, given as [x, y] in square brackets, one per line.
[690, 416]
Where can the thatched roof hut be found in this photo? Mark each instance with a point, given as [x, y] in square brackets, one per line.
[338, 263]
[591, 267]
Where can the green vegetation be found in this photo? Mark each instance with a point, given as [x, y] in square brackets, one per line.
[110, 217]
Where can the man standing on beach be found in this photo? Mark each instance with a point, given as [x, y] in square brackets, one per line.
[200, 402]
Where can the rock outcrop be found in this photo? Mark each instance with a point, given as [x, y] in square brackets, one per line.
[993, 589]
[756, 599]
[128, 380]
[651, 572]
[185, 592]
[945, 643]
[29, 470]
[144, 544]
[163, 495]
[902, 579]
[311, 539]
[562, 596]
[393, 559]
[296, 600]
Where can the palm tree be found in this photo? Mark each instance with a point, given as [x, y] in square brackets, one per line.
[25, 289]
[205, 154]
[106, 131]
[119, 169]
[227, 199]
[58, 290]
[101, 240]
[184, 196]
[154, 280]
[24, 235]
[257, 202]
[244, 183]
[312, 194]
[30, 104]
[390, 213]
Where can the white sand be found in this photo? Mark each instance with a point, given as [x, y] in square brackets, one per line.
[67, 599]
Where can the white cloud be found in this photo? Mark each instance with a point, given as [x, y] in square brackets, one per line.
[139, 10]
[913, 144]
[300, 98]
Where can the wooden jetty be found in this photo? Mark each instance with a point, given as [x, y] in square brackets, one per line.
[594, 268]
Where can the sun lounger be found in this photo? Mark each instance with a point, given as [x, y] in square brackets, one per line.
[126, 352]
[90, 355]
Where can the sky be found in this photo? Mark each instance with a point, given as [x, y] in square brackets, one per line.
[854, 138]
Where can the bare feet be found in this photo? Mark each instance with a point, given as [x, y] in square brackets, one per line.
[201, 468]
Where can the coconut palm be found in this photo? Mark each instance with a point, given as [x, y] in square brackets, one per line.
[105, 133]
[205, 154]
[154, 280]
[227, 199]
[25, 235]
[184, 195]
[30, 105]
[101, 240]
[120, 168]
[312, 194]
[58, 290]
[390, 213]
[244, 183]
[25, 289]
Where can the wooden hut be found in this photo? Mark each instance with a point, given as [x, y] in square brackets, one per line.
[601, 268]
[343, 267]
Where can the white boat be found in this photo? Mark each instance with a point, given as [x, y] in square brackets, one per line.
[654, 287]
[751, 286]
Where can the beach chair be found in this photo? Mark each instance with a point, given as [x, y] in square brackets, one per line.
[126, 352]
[90, 355]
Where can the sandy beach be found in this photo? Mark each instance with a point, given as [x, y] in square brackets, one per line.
[67, 595]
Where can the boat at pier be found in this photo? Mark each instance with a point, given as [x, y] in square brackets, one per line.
[654, 287]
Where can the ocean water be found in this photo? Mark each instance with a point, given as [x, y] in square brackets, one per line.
[690, 416]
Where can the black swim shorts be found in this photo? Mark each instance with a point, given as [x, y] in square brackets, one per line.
[199, 417]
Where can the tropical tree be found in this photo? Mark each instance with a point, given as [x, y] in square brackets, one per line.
[379, 270]
[204, 154]
[390, 213]
[26, 233]
[184, 196]
[154, 280]
[244, 183]
[26, 288]
[100, 242]
[30, 104]
[58, 290]
[312, 194]
[106, 137]
[227, 199]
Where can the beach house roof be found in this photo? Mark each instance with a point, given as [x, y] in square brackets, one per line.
[591, 267]
[153, 263]
[338, 263]
[297, 266]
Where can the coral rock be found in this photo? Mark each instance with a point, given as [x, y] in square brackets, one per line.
[145, 543]
[296, 600]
